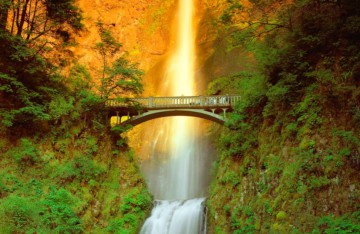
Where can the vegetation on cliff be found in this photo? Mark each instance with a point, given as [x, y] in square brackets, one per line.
[290, 158]
[63, 169]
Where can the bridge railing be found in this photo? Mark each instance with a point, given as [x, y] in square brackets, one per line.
[178, 101]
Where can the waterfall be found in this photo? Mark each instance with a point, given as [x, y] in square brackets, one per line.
[178, 168]
[176, 217]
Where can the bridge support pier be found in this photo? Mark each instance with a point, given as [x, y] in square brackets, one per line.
[118, 119]
[224, 109]
[150, 101]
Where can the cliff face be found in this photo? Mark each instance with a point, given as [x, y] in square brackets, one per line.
[141, 26]
[73, 179]
[287, 183]
[289, 158]
[144, 27]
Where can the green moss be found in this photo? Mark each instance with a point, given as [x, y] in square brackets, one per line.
[281, 215]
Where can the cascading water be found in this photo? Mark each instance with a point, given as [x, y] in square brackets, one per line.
[178, 168]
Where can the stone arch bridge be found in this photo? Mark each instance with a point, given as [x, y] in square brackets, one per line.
[139, 110]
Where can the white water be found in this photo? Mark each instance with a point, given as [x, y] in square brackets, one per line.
[176, 217]
[178, 169]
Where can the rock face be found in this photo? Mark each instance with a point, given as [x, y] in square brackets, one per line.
[143, 27]
[139, 25]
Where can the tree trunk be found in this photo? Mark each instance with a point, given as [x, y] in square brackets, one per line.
[21, 22]
[4, 12]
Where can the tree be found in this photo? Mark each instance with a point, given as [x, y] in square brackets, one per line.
[4, 12]
[123, 77]
[118, 75]
[28, 81]
[266, 15]
[107, 48]
[31, 19]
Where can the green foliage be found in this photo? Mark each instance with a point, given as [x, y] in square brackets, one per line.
[7, 118]
[136, 200]
[92, 146]
[27, 99]
[88, 145]
[80, 168]
[59, 213]
[108, 44]
[64, 12]
[90, 100]
[343, 224]
[119, 129]
[227, 16]
[79, 79]
[68, 196]
[350, 144]
[60, 106]
[19, 213]
[227, 85]
[118, 76]
[242, 220]
[135, 205]
[318, 182]
[322, 76]
[292, 129]
[29, 108]
[277, 93]
[123, 77]
[39, 212]
[26, 154]
[252, 88]
[230, 177]
[250, 85]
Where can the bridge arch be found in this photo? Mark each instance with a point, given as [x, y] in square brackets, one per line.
[154, 114]
[139, 110]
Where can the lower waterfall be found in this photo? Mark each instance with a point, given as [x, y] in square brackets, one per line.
[176, 217]
[178, 180]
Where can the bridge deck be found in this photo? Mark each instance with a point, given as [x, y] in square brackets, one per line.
[139, 110]
[176, 102]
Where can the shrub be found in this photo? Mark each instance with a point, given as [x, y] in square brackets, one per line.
[342, 224]
[18, 213]
[88, 145]
[292, 128]
[81, 168]
[60, 106]
[59, 212]
[318, 182]
[26, 154]
[134, 207]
